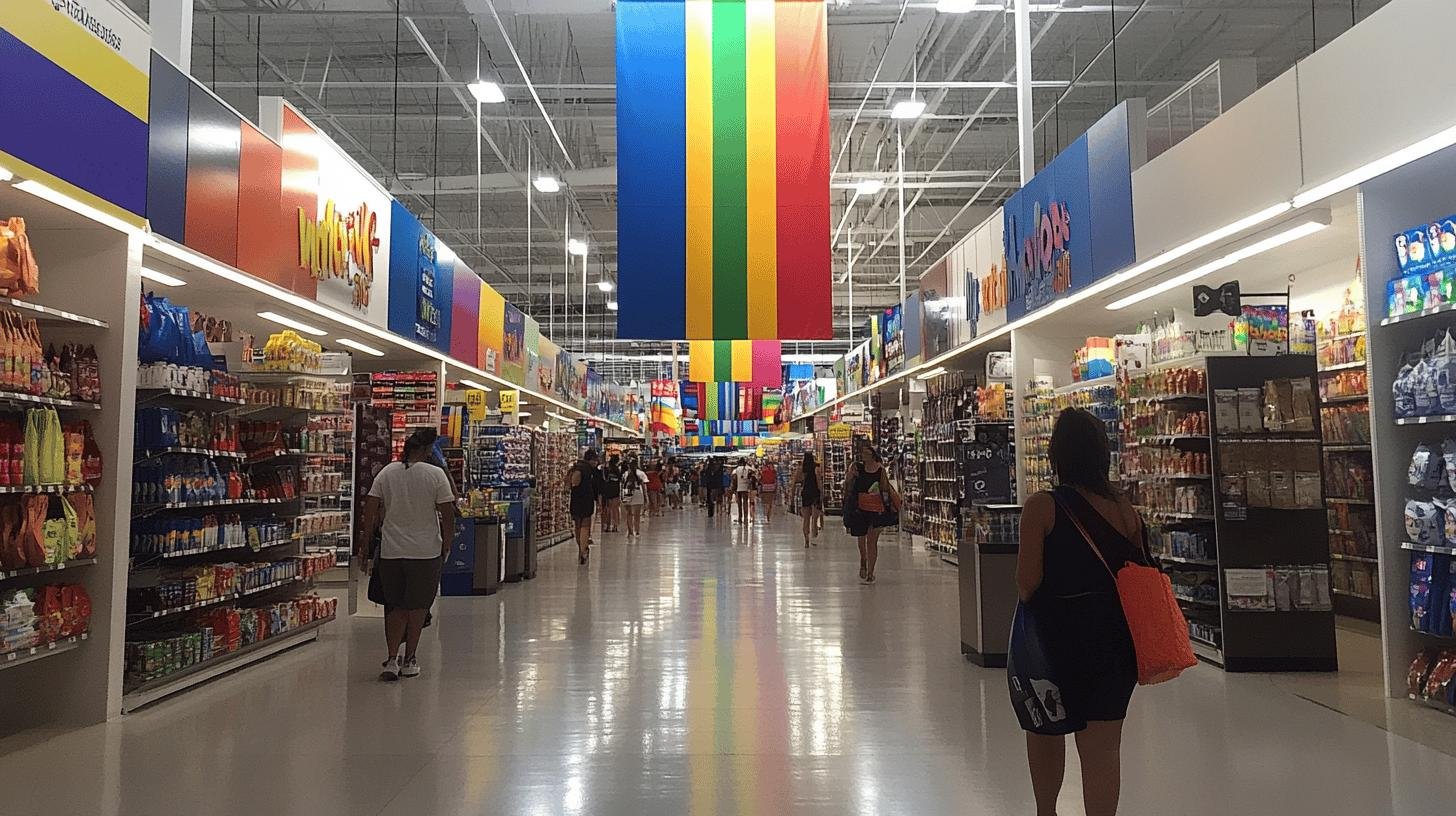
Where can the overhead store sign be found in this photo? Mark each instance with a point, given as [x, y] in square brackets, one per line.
[987, 287]
[723, 223]
[1071, 225]
[77, 97]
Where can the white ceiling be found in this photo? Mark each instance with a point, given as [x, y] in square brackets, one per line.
[394, 101]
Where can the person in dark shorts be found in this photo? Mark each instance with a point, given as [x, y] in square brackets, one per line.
[412, 505]
[869, 496]
[585, 483]
[1080, 620]
[611, 494]
[809, 485]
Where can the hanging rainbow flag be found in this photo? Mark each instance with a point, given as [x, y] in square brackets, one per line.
[723, 170]
[749, 362]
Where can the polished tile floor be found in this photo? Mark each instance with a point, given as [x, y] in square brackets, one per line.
[705, 669]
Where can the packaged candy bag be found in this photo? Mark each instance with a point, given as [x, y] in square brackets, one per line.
[1426, 470]
[1403, 392]
[1424, 523]
[19, 273]
[1423, 387]
[1443, 365]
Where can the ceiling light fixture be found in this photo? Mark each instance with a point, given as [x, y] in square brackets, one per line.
[161, 277]
[576, 246]
[358, 346]
[473, 384]
[611, 305]
[6, 175]
[293, 324]
[910, 108]
[604, 285]
[546, 184]
[868, 187]
[934, 372]
[1379, 167]
[486, 93]
[1293, 233]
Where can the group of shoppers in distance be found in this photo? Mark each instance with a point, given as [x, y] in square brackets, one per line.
[1077, 544]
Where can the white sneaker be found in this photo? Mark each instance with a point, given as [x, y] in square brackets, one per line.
[391, 670]
[411, 668]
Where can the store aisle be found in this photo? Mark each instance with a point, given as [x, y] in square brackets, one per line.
[707, 669]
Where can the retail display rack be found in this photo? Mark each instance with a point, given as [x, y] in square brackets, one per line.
[1223, 461]
[552, 454]
[1344, 395]
[959, 418]
[241, 499]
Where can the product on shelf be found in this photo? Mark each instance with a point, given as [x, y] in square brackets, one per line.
[35, 616]
[1295, 588]
[19, 272]
[287, 351]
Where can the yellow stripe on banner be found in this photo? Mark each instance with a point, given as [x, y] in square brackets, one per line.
[763, 300]
[699, 307]
[700, 361]
[743, 359]
[61, 40]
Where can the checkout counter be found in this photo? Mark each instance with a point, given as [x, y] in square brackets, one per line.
[987, 555]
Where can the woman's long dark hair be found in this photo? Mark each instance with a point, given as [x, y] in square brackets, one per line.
[1079, 453]
[810, 468]
[418, 441]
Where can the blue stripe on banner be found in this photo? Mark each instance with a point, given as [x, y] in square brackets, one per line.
[727, 400]
[651, 169]
[167, 152]
[68, 129]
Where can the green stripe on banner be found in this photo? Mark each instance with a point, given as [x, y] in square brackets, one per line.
[730, 171]
[722, 360]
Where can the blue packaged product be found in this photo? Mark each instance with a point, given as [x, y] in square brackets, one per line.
[1420, 591]
[1411, 251]
[1424, 523]
[1438, 621]
[1403, 392]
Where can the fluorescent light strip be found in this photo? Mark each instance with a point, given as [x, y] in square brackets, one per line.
[168, 247]
[357, 346]
[555, 415]
[284, 320]
[477, 386]
[1379, 167]
[1280, 238]
[161, 277]
[58, 198]
[934, 372]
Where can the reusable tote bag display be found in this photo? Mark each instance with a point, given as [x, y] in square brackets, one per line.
[1159, 630]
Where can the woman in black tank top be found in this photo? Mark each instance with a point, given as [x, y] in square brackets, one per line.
[809, 483]
[1079, 614]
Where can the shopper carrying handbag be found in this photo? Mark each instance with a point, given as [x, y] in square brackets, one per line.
[870, 505]
[1072, 664]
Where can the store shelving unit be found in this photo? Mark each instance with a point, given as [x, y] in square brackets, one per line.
[834, 456]
[552, 453]
[1348, 467]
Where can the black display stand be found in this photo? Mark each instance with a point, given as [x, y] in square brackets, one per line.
[1257, 537]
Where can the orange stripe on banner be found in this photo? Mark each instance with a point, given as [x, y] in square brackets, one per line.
[763, 292]
[699, 294]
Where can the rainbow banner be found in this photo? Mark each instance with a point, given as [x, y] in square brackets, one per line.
[750, 362]
[723, 170]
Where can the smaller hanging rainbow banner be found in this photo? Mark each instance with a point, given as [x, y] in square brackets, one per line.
[748, 362]
[707, 441]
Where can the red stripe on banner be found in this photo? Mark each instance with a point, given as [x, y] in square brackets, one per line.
[802, 132]
[300, 184]
[263, 247]
[768, 363]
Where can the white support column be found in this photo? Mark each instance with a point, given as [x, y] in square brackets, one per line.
[1024, 113]
[900, 183]
[171, 24]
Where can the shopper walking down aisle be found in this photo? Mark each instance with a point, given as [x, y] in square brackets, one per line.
[671, 484]
[809, 486]
[870, 504]
[634, 495]
[612, 494]
[742, 488]
[585, 483]
[654, 489]
[412, 506]
[768, 486]
[711, 484]
[1080, 622]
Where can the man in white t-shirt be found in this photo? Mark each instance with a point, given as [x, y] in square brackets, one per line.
[742, 489]
[412, 504]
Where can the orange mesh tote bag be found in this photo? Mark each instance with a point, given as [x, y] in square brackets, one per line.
[1159, 630]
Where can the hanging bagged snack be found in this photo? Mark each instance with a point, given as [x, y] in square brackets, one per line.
[19, 273]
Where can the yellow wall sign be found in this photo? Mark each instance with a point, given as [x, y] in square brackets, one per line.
[840, 431]
[339, 240]
[509, 400]
[475, 404]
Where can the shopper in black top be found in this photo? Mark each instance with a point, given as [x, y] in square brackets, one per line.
[611, 494]
[585, 482]
[1080, 620]
[712, 485]
[869, 502]
[809, 485]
